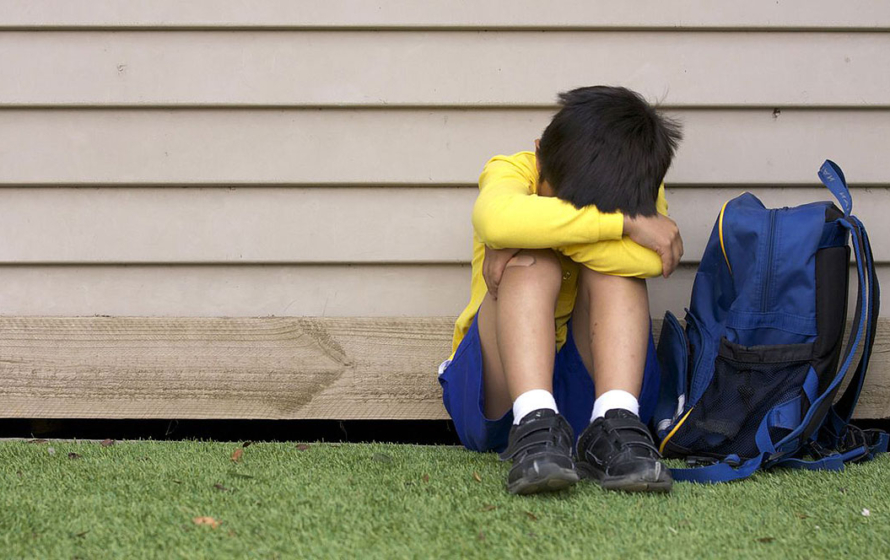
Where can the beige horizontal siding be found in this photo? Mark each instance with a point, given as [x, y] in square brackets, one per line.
[325, 169]
[410, 147]
[280, 290]
[236, 291]
[444, 68]
[309, 225]
[768, 14]
[235, 225]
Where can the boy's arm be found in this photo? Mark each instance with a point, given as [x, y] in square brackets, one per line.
[507, 216]
[625, 257]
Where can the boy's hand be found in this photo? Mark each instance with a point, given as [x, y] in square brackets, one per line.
[493, 266]
[660, 234]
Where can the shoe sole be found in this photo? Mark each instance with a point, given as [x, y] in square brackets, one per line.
[635, 482]
[555, 479]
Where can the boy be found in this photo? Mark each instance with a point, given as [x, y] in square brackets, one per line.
[537, 322]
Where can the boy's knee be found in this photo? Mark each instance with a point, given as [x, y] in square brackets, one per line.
[591, 277]
[593, 280]
[542, 261]
[540, 265]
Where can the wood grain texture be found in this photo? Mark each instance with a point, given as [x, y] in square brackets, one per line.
[405, 147]
[221, 368]
[261, 368]
[465, 69]
[311, 225]
[434, 14]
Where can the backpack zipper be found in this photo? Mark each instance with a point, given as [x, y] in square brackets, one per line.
[674, 431]
[720, 232]
[769, 262]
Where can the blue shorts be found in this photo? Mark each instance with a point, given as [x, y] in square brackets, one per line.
[462, 392]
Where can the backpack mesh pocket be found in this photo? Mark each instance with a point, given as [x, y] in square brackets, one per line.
[747, 383]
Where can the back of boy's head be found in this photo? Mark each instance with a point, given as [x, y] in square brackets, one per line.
[609, 148]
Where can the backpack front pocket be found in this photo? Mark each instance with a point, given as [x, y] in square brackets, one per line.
[748, 382]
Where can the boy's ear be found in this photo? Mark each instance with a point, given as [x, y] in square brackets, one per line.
[537, 151]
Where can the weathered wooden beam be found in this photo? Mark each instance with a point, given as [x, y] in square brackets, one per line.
[250, 368]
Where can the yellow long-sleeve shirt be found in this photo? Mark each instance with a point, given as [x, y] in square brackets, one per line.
[509, 214]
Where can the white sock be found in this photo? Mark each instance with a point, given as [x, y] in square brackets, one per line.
[616, 398]
[530, 401]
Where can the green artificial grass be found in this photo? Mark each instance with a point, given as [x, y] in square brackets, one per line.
[281, 500]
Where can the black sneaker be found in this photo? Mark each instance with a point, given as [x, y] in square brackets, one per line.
[618, 452]
[541, 449]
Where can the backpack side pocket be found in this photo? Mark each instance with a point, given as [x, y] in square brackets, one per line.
[673, 357]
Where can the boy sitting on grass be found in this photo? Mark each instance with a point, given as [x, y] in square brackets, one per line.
[556, 339]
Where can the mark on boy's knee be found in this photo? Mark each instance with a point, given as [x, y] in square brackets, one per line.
[521, 260]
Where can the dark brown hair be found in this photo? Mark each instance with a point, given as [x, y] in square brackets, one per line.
[607, 147]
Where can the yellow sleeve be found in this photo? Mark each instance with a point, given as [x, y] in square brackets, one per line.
[622, 257]
[506, 215]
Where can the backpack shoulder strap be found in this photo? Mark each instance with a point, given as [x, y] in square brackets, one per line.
[833, 178]
[727, 470]
[731, 467]
[847, 403]
[868, 305]
[836, 430]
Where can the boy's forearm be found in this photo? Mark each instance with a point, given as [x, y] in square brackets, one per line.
[626, 257]
[617, 258]
[651, 246]
[534, 222]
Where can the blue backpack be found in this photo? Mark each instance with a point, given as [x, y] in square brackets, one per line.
[752, 381]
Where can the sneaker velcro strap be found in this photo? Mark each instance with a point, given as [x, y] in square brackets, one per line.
[537, 439]
[622, 443]
[546, 432]
[620, 433]
[645, 445]
[626, 424]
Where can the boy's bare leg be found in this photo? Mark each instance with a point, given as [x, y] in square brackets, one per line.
[518, 335]
[517, 330]
[610, 326]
